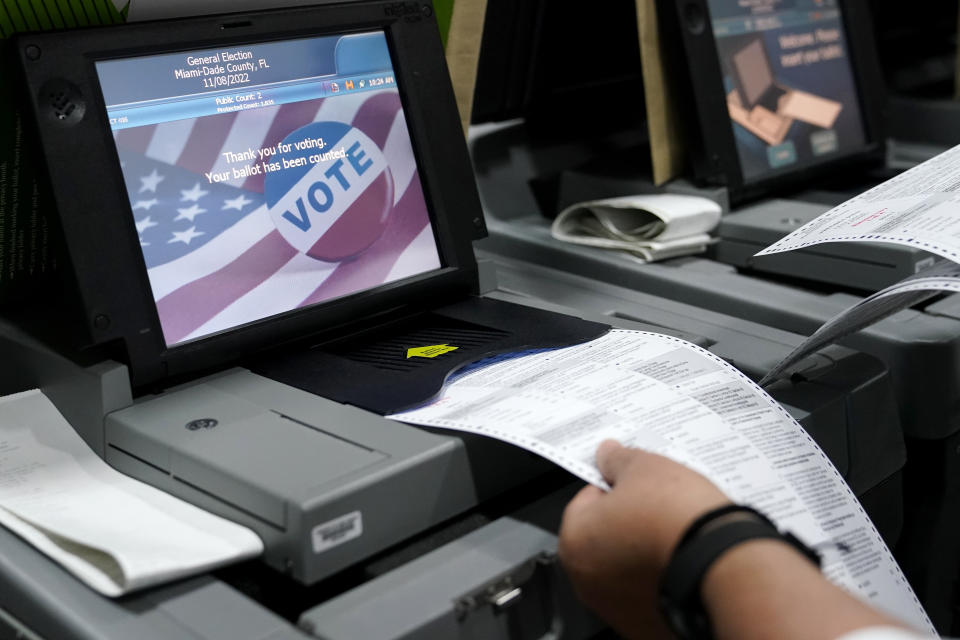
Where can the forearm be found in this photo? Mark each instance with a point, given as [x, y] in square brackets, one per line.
[765, 589]
[617, 547]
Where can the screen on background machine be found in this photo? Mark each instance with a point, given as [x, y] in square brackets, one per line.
[267, 177]
[790, 89]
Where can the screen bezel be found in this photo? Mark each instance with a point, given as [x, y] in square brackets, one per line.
[103, 250]
[715, 156]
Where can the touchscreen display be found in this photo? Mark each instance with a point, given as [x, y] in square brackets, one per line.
[267, 177]
[789, 85]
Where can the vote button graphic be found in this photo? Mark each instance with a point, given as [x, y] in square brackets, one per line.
[329, 190]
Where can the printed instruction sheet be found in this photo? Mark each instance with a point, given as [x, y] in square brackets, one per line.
[668, 396]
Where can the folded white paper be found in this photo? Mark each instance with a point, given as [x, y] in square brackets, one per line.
[651, 227]
[114, 533]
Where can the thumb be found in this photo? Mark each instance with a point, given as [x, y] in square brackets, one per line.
[582, 501]
[612, 459]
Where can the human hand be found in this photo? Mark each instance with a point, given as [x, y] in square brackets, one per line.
[615, 545]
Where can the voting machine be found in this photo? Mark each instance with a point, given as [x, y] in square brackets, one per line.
[803, 114]
[266, 237]
[267, 234]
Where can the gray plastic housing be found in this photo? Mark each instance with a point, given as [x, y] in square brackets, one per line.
[278, 459]
[288, 463]
[501, 580]
[325, 485]
[292, 465]
[41, 600]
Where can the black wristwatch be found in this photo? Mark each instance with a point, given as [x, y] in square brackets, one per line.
[704, 541]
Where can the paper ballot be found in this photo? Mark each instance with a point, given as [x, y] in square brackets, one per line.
[942, 277]
[668, 396]
[114, 533]
[919, 208]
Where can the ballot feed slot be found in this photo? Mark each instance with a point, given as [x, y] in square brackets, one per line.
[866, 266]
[406, 363]
[701, 341]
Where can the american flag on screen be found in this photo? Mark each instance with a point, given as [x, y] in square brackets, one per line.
[214, 257]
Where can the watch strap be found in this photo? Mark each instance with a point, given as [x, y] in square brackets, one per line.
[715, 514]
[704, 541]
[690, 563]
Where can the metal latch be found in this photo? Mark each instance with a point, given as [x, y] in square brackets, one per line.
[505, 590]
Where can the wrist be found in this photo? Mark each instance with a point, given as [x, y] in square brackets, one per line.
[764, 585]
[749, 560]
[711, 537]
[676, 531]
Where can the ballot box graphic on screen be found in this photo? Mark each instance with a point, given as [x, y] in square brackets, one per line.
[789, 85]
[765, 108]
[294, 184]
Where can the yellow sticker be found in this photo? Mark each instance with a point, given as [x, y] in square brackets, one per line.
[431, 351]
